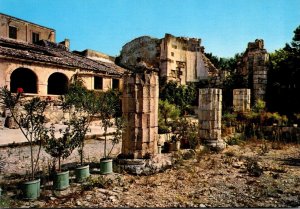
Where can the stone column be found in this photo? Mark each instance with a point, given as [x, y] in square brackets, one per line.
[209, 115]
[260, 71]
[241, 100]
[140, 109]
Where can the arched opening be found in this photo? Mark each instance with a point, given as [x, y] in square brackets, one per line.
[23, 78]
[58, 84]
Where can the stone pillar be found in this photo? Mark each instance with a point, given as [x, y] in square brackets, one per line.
[241, 100]
[209, 115]
[254, 67]
[260, 71]
[140, 109]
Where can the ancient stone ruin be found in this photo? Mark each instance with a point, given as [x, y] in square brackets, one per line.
[241, 100]
[209, 116]
[255, 68]
[140, 109]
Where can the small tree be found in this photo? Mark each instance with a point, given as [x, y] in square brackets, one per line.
[82, 104]
[166, 111]
[31, 121]
[108, 106]
[60, 147]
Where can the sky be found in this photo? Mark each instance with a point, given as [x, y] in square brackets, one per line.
[224, 26]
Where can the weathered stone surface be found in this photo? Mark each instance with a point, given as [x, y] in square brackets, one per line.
[179, 59]
[241, 100]
[146, 166]
[210, 113]
[140, 108]
[255, 65]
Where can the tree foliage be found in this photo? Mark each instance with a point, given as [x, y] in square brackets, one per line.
[284, 78]
[182, 96]
[62, 146]
[31, 121]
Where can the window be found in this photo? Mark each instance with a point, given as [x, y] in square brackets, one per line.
[115, 83]
[172, 54]
[174, 46]
[98, 82]
[12, 32]
[35, 37]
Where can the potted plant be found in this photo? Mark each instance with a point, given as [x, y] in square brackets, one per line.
[81, 105]
[108, 109]
[31, 121]
[60, 148]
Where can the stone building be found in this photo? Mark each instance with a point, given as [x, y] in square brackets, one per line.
[30, 58]
[15, 28]
[179, 59]
[254, 67]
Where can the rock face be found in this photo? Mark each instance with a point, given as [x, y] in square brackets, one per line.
[140, 109]
[209, 116]
[255, 68]
[241, 100]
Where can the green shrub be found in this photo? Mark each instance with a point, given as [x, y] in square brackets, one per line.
[229, 119]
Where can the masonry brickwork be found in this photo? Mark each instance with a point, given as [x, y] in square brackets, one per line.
[209, 116]
[140, 110]
[255, 68]
[179, 59]
[241, 100]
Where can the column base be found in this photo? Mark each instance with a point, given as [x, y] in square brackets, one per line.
[216, 144]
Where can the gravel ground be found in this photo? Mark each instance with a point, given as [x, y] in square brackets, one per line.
[17, 159]
[253, 174]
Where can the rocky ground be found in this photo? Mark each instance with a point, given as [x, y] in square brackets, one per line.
[252, 174]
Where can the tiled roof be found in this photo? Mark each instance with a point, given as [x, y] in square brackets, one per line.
[53, 53]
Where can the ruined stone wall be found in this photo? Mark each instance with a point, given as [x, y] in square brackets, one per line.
[241, 100]
[182, 59]
[179, 59]
[255, 68]
[140, 109]
[209, 116]
[144, 49]
[24, 29]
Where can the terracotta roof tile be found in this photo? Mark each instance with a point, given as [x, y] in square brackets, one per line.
[54, 53]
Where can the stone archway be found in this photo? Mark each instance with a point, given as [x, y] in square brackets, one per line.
[58, 84]
[23, 78]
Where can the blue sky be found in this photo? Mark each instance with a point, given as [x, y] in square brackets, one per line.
[225, 26]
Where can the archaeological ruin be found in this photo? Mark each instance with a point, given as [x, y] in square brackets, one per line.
[140, 110]
[254, 68]
[241, 100]
[31, 59]
[179, 59]
[209, 117]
